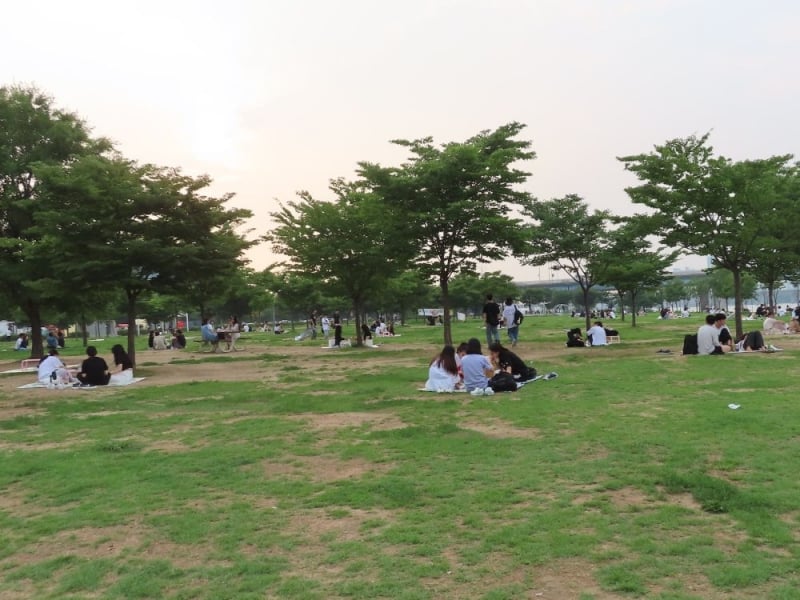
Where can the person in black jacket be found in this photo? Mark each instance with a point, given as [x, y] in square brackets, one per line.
[504, 359]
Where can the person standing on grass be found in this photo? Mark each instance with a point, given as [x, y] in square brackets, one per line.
[337, 329]
[491, 319]
[326, 326]
[510, 319]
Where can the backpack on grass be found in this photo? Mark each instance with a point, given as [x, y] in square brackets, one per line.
[503, 382]
[690, 344]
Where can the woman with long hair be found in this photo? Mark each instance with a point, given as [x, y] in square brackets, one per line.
[123, 370]
[443, 372]
[505, 360]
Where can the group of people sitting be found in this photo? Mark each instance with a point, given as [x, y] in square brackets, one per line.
[467, 368]
[158, 340]
[229, 334]
[94, 370]
[714, 337]
[597, 335]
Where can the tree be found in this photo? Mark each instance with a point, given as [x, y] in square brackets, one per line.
[32, 133]
[110, 222]
[310, 234]
[457, 202]
[630, 266]
[568, 237]
[713, 206]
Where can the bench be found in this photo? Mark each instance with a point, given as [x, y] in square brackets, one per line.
[27, 363]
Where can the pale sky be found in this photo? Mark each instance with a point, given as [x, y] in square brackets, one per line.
[274, 97]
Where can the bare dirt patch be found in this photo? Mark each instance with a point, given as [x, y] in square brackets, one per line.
[376, 421]
[497, 428]
[322, 469]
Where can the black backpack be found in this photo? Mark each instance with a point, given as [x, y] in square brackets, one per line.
[690, 344]
[503, 382]
[518, 317]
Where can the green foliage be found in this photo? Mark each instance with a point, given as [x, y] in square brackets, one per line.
[570, 239]
[457, 202]
[712, 206]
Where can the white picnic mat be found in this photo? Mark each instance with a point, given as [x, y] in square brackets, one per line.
[37, 384]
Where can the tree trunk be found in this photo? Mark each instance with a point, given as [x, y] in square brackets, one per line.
[621, 297]
[35, 318]
[737, 301]
[85, 333]
[357, 310]
[586, 310]
[633, 308]
[132, 325]
[444, 286]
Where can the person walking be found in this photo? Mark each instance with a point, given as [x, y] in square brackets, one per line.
[491, 319]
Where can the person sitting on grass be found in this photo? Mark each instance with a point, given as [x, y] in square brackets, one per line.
[94, 370]
[575, 338]
[123, 366]
[505, 360]
[22, 342]
[597, 334]
[52, 370]
[443, 372]
[476, 367]
[179, 340]
[708, 336]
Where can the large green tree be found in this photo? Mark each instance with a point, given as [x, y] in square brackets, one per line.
[458, 202]
[570, 238]
[350, 245]
[33, 133]
[712, 206]
[110, 222]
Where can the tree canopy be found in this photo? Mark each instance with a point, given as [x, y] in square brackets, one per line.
[458, 202]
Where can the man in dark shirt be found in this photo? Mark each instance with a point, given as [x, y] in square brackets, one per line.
[491, 318]
[94, 370]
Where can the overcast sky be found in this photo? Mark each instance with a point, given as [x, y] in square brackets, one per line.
[274, 97]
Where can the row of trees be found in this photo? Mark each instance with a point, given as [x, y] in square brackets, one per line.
[452, 207]
[81, 225]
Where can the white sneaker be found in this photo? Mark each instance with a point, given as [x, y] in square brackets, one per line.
[488, 391]
[477, 392]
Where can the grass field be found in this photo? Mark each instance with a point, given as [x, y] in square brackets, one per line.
[290, 471]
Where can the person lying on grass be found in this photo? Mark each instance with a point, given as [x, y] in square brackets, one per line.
[505, 360]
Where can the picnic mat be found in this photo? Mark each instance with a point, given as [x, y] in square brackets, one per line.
[37, 384]
[520, 384]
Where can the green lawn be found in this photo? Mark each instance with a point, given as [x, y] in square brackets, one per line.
[289, 471]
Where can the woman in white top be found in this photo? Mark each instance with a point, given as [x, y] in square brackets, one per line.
[443, 373]
[233, 333]
[52, 370]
